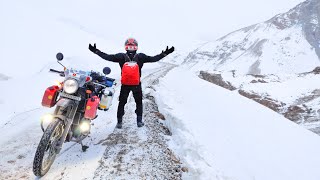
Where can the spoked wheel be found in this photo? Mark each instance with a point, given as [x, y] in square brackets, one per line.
[46, 151]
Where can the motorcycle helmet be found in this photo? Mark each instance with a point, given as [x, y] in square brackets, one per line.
[131, 44]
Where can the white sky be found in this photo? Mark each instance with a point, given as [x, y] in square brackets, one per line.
[179, 22]
[182, 21]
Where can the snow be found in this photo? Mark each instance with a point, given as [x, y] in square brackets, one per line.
[287, 91]
[18, 147]
[286, 88]
[21, 127]
[217, 133]
[216, 130]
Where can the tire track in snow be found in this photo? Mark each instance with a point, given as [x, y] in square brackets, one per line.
[140, 153]
[20, 116]
[18, 144]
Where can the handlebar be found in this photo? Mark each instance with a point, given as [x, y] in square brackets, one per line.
[61, 73]
[99, 84]
[111, 79]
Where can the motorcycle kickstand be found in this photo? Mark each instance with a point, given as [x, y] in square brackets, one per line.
[84, 147]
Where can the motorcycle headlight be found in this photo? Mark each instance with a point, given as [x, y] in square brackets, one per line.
[85, 126]
[70, 86]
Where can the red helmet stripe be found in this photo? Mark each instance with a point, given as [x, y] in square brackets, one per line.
[131, 44]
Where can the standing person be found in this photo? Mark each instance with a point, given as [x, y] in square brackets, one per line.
[131, 63]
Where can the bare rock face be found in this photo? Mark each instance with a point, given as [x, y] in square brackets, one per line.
[258, 81]
[303, 110]
[294, 113]
[266, 101]
[217, 79]
[316, 70]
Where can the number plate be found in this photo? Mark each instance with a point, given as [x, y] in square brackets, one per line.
[62, 94]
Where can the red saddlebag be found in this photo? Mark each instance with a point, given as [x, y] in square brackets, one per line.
[49, 98]
[91, 107]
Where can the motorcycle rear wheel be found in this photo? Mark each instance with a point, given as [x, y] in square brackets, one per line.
[46, 151]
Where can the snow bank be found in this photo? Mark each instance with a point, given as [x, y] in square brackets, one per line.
[222, 134]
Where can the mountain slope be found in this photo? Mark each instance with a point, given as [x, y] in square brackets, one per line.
[287, 43]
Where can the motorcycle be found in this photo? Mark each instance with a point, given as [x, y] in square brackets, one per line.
[76, 101]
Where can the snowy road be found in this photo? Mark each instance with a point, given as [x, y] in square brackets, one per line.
[128, 153]
[142, 153]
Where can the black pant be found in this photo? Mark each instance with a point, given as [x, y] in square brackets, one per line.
[124, 93]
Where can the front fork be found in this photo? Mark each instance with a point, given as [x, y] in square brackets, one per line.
[68, 120]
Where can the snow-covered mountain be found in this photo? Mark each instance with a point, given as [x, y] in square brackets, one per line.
[287, 43]
[275, 63]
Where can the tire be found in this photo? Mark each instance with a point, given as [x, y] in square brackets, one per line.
[41, 165]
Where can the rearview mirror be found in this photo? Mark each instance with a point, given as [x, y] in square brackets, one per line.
[59, 56]
[106, 70]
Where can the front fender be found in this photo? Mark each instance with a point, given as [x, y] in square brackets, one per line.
[66, 104]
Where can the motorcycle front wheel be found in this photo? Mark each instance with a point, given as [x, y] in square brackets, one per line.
[46, 151]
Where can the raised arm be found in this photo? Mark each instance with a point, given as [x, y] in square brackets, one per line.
[105, 56]
[148, 59]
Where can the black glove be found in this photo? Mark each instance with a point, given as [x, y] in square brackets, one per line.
[168, 51]
[93, 48]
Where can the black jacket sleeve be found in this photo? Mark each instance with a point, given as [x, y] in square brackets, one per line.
[110, 57]
[150, 59]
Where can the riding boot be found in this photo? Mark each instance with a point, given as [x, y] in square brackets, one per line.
[139, 121]
[119, 123]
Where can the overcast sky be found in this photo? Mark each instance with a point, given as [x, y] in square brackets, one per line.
[155, 24]
[192, 19]
[181, 22]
